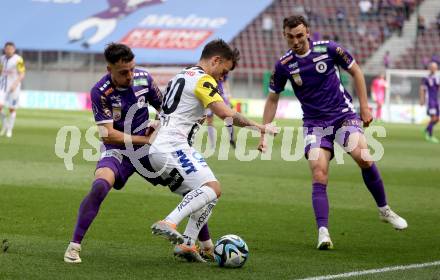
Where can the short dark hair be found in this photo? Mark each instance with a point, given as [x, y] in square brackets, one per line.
[115, 52]
[294, 21]
[9, 44]
[221, 48]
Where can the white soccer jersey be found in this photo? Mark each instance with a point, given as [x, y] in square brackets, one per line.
[183, 110]
[10, 69]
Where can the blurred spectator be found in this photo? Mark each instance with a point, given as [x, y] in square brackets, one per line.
[435, 58]
[267, 24]
[316, 36]
[364, 8]
[387, 60]
[438, 23]
[361, 29]
[421, 26]
[407, 7]
[340, 15]
[398, 22]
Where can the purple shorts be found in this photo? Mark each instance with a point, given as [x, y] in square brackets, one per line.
[123, 168]
[433, 110]
[323, 134]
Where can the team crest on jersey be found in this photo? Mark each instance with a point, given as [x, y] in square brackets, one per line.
[321, 67]
[287, 59]
[141, 102]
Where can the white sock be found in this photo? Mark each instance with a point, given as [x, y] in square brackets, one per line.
[191, 203]
[383, 208]
[11, 121]
[198, 219]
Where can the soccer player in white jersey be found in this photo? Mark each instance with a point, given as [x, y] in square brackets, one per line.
[188, 94]
[12, 73]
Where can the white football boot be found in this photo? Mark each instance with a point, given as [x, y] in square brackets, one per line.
[324, 241]
[168, 231]
[388, 216]
[72, 253]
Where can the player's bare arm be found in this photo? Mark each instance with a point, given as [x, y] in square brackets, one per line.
[422, 95]
[109, 135]
[222, 111]
[361, 91]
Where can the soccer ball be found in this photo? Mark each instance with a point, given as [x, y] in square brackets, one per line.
[231, 251]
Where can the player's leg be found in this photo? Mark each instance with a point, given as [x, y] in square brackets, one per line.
[195, 179]
[433, 112]
[11, 122]
[111, 172]
[2, 114]
[319, 160]
[206, 244]
[373, 179]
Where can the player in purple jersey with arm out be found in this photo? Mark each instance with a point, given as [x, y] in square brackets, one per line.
[123, 90]
[328, 115]
[430, 86]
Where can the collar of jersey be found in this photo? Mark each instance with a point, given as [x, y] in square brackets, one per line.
[303, 55]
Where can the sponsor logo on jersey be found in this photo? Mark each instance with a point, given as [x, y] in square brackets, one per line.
[321, 67]
[140, 82]
[321, 57]
[116, 108]
[287, 59]
[140, 92]
[185, 162]
[343, 55]
[293, 65]
[190, 73]
[320, 49]
[108, 91]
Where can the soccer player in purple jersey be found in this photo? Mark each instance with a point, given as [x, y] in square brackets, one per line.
[328, 115]
[430, 86]
[125, 89]
[223, 88]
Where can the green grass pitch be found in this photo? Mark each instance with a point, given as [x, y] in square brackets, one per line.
[267, 203]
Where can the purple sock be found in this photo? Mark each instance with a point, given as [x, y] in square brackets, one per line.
[211, 131]
[204, 233]
[89, 208]
[374, 183]
[320, 204]
[430, 127]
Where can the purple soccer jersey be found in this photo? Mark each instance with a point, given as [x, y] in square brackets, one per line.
[315, 79]
[111, 104]
[432, 85]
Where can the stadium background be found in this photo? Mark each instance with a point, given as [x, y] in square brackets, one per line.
[39, 198]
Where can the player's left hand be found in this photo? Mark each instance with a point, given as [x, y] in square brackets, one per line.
[366, 117]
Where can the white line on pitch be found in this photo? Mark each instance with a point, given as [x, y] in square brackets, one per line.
[373, 271]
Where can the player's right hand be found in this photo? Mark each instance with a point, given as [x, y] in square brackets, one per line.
[262, 145]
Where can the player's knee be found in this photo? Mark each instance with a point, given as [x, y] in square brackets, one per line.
[100, 188]
[320, 175]
[215, 185]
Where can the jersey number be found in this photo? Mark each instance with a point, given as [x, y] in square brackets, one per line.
[172, 97]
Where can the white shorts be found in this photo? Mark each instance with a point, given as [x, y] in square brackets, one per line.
[9, 100]
[184, 170]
